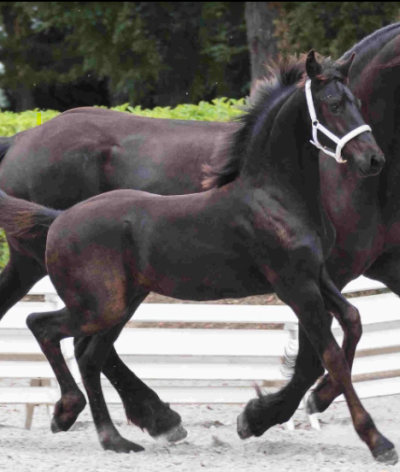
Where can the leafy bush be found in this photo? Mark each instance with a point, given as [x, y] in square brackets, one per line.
[221, 109]
[12, 123]
[336, 26]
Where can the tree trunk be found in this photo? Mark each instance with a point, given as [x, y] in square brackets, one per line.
[24, 99]
[260, 30]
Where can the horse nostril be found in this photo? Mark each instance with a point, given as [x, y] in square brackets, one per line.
[376, 162]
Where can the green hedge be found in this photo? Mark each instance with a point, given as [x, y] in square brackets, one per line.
[221, 109]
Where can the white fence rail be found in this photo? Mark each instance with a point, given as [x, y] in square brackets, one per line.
[202, 353]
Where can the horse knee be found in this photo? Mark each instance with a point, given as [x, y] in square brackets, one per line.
[353, 324]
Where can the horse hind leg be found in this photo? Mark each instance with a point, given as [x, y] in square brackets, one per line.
[143, 407]
[49, 328]
[349, 319]
[91, 357]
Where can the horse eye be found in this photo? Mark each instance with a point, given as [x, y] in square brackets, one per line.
[334, 107]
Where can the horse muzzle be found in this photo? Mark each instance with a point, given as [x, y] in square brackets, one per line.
[372, 166]
[243, 428]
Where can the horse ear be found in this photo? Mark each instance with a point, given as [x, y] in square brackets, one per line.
[313, 67]
[344, 67]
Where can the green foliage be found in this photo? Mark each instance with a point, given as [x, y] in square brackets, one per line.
[331, 28]
[154, 53]
[12, 123]
[221, 109]
[112, 39]
[4, 251]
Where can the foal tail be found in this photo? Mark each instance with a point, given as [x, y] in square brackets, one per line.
[24, 219]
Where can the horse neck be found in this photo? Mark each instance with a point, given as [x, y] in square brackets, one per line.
[285, 160]
[370, 46]
[377, 84]
[280, 154]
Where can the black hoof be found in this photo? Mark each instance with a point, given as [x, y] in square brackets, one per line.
[121, 445]
[175, 434]
[54, 427]
[158, 419]
[66, 412]
[243, 428]
[389, 457]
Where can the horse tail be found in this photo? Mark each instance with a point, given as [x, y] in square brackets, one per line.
[5, 144]
[24, 219]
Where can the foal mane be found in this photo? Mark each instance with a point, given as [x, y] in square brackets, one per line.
[262, 106]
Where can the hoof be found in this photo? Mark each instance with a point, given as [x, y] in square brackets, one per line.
[389, 457]
[177, 433]
[243, 428]
[54, 426]
[66, 412]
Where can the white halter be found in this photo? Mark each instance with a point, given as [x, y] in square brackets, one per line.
[316, 125]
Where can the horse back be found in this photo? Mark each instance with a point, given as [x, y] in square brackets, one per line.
[87, 151]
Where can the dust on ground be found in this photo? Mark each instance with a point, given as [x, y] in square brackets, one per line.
[212, 443]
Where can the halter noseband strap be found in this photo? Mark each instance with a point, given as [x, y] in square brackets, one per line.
[316, 125]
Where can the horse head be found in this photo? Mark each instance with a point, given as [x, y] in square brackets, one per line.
[336, 117]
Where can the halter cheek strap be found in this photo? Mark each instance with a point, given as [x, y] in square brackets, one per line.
[316, 125]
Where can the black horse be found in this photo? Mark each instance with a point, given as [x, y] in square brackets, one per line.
[262, 229]
[88, 151]
[364, 212]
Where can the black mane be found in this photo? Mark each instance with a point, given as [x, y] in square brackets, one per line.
[261, 109]
[370, 47]
[372, 43]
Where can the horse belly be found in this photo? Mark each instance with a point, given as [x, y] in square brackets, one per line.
[203, 281]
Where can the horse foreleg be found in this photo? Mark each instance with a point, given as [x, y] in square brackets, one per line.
[349, 319]
[316, 324]
[279, 407]
[308, 304]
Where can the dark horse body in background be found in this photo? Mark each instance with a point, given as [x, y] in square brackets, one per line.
[87, 151]
[261, 229]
